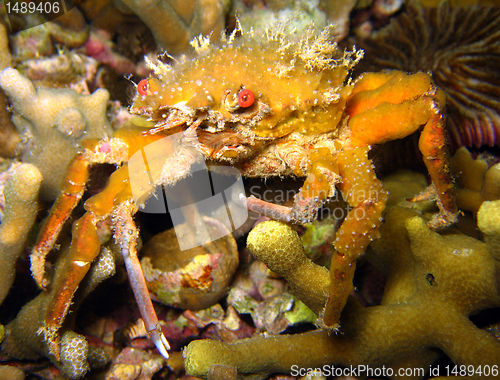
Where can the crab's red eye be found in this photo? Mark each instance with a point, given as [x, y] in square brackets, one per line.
[246, 98]
[142, 87]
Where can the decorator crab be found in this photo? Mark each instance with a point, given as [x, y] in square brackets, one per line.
[279, 106]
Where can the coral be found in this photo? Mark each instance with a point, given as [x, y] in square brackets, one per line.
[277, 245]
[11, 373]
[100, 47]
[257, 291]
[191, 279]
[21, 195]
[434, 284]
[175, 23]
[58, 71]
[476, 181]
[9, 138]
[338, 13]
[460, 47]
[5, 57]
[297, 14]
[134, 364]
[39, 39]
[53, 123]
[489, 224]
[25, 338]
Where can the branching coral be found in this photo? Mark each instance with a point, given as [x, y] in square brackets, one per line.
[297, 14]
[53, 123]
[476, 181]
[40, 37]
[175, 23]
[277, 245]
[489, 224]
[21, 195]
[9, 137]
[460, 47]
[434, 284]
[25, 338]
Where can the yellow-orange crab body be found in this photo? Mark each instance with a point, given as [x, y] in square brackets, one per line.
[280, 106]
[305, 117]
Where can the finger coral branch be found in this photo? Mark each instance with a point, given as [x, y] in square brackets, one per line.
[21, 195]
[476, 181]
[53, 122]
[27, 338]
[434, 284]
[175, 23]
[489, 223]
[280, 248]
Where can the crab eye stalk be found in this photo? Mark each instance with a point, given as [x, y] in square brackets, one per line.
[142, 87]
[246, 98]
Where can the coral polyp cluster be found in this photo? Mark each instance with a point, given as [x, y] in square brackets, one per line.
[433, 281]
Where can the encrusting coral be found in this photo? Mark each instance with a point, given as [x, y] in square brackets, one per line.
[460, 48]
[53, 122]
[21, 194]
[434, 284]
[191, 279]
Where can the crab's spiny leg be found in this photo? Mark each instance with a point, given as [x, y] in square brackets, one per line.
[85, 247]
[318, 186]
[365, 194]
[126, 235]
[72, 191]
[274, 211]
[432, 144]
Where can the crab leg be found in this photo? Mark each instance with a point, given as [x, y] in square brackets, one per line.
[72, 191]
[432, 144]
[365, 194]
[318, 186]
[85, 247]
[271, 210]
[126, 235]
[392, 108]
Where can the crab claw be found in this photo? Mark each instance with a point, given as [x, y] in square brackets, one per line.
[126, 235]
[159, 340]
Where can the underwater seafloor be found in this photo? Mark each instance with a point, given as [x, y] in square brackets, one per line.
[424, 302]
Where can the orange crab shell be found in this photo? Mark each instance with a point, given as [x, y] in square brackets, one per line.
[295, 95]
